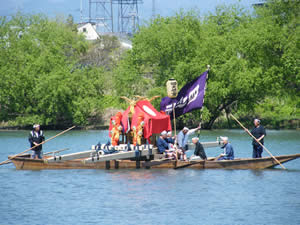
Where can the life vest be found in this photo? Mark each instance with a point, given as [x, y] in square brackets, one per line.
[36, 134]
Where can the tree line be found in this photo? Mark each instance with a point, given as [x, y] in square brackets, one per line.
[51, 75]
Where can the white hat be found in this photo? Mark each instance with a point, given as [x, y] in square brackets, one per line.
[185, 128]
[224, 138]
[170, 133]
[36, 125]
[163, 133]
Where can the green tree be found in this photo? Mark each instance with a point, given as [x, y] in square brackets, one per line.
[41, 78]
[252, 57]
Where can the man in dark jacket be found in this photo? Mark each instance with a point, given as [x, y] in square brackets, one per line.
[199, 150]
[36, 136]
[259, 133]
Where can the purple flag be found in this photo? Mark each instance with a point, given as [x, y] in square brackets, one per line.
[190, 97]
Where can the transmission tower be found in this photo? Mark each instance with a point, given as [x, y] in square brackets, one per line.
[153, 9]
[128, 15]
[101, 13]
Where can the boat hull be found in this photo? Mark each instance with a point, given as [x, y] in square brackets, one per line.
[22, 163]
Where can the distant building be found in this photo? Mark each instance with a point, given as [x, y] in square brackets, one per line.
[126, 45]
[91, 34]
[89, 31]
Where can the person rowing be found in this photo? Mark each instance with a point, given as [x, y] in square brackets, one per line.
[36, 136]
[259, 133]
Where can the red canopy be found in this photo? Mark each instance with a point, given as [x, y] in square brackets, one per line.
[155, 122]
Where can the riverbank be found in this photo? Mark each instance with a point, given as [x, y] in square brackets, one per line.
[219, 125]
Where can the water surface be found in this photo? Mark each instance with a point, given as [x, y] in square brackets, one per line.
[154, 196]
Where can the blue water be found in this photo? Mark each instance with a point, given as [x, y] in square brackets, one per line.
[163, 196]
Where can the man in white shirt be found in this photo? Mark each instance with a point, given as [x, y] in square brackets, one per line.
[183, 136]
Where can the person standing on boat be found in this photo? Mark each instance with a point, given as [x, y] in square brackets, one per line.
[36, 136]
[228, 153]
[183, 136]
[259, 133]
[199, 150]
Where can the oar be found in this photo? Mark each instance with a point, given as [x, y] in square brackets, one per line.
[257, 140]
[6, 161]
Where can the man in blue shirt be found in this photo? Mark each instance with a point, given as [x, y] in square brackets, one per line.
[170, 139]
[228, 153]
[163, 146]
[183, 136]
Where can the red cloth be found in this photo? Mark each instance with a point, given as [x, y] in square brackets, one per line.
[155, 122]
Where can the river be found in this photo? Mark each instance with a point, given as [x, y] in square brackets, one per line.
[155, 196]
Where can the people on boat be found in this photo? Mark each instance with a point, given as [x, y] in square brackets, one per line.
[199, 150]
[259, 133]
[228, 153]
[183, 136]
[163, 146]
[170, 139]
[173, 147]
[36, 136]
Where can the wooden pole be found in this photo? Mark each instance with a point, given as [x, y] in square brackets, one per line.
[4, 162]
[175, 141]
[174, 119]
[201, 110]
[257, 140]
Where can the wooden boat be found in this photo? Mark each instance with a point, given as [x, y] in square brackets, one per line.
[26, 163]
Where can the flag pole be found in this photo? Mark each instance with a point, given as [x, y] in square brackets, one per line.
[200, 124]
[174, 119]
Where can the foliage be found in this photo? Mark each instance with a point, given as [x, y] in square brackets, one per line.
[40, 77]
[51, 75]
[253, 57]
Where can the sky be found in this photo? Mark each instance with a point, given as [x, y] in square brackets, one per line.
[53, 8]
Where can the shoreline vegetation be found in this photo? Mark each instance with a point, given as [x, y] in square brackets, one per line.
[219, 125]
[49, 74]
